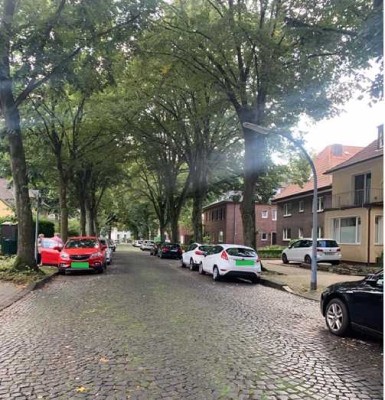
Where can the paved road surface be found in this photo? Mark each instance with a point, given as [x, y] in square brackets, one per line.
[148, 329]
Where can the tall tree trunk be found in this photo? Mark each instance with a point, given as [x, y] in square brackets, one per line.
[254, 165]
[63, 206]
[25, 239]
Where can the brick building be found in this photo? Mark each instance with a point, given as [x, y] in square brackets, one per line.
[222, 222]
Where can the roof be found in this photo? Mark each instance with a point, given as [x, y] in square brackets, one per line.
[367, 153]
[331, 156]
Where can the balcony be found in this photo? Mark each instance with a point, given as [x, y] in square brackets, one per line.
[357, 198]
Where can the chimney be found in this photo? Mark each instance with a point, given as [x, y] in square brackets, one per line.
[380, 138]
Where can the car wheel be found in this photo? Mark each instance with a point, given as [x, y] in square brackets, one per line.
[284, 259]
[335, 263]
[216, 275]
[254, 280]
[191, 265]
[307, 259]
[62, 271]
[337, 317]
[201, 271]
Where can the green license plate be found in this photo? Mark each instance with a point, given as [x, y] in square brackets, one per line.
[244, 263]
[80, 265]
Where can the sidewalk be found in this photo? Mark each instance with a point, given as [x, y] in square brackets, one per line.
[296, 279]
[291, 278]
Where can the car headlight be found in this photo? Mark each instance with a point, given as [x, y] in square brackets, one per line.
[64, 256]
[96, 255]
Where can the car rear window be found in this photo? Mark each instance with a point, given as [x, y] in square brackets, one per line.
[241, 252]
[327, 243]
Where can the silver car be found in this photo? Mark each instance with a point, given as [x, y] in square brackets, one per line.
[300, 250]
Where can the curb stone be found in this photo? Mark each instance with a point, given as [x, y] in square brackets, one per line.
[28, 289]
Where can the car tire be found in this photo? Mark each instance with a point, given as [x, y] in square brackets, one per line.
[254, 280]
[284, 259]
[191, 265]
[337, 317]
[335, 262]
[216, 276]
[307, 259]
[201, 271]
[62, 271]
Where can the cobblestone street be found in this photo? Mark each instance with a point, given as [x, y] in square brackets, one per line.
[149, 329]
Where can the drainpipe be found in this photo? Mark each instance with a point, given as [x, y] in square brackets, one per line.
[369, 232]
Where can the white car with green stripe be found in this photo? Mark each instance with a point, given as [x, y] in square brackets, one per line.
[231, 260]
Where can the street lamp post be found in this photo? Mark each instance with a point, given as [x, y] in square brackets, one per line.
[264, 131]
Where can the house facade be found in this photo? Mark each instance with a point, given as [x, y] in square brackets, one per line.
[355, 215]
[294, 203]
[222, 222]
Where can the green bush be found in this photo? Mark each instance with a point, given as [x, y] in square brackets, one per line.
[47, 228]
[269, 253]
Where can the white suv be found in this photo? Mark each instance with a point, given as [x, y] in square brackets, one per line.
[147, 245]
[231, 260]
[300, 250]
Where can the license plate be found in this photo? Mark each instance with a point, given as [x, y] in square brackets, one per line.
[244, 263]
[80, 265]
[331, 253]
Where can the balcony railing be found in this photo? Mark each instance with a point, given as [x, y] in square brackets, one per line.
[357, 198]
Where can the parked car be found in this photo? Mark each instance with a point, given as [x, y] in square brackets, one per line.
[169, 250]
[355, 305]
[112, 244]
[194, 255]
[231, 260]
[147, 245]
[300, 250]
[155, 248]
[109, 251]
[49, 251]
[137, 243]
[82, 253]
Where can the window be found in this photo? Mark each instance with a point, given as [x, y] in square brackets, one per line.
[320, 204]
[347, 230]
[286, 234]
[287, 209]
[265, 214]
[301, 206]
[220, 237]
[300, 232]
[274, 215]
[379, 229]
[362, 186]
[264, 236]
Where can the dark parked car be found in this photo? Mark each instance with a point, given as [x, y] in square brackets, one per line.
[170, 250]
[357, 305]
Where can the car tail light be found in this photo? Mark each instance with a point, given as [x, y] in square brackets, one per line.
[224, 255]
[199, 252]
[319, 250]
[338, 250]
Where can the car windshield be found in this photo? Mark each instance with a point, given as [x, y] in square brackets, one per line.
[241, 252]
[327, 243]
[81, 243]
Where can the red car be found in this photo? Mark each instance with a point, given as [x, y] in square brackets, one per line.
[85, 253]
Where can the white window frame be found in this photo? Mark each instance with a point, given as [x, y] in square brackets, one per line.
[320, 204]
[300, 233]
[379, 229]
[287, 210]
[286, 234]
[273, 215]
[301, 206]
[264, 236]
[265, 214]
[336, 226]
